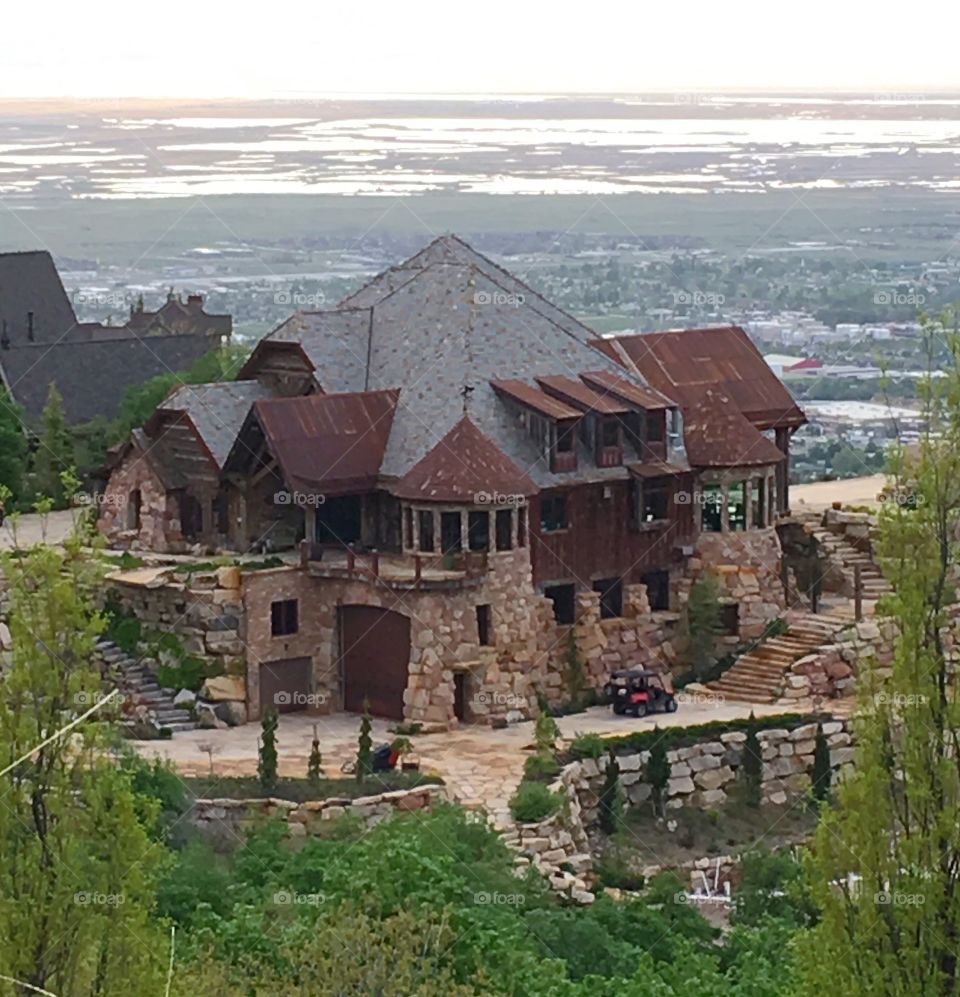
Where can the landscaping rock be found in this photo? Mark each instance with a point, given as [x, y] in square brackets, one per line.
[231, 712]
[185, 698]
[224, 687]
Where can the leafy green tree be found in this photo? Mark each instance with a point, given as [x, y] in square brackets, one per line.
[657, 775]
[701, 625]
[751, 769]
[365, 745]
[54, 453]
[267, 749]
[893, 927]
[822, 773]
[610, 804]
[13, 445]
[77, 864]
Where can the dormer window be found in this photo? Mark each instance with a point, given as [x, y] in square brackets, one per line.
[563, 456]
[609, 442]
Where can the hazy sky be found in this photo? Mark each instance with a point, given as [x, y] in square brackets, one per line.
[204, 48]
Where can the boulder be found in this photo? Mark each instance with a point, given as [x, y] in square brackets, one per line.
[5, 640]
[207, 718]
[185, 698]
[231, 712]
[223, 688]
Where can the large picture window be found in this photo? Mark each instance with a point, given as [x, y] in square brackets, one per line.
[553, 513]
[711, 518]
[737, 505]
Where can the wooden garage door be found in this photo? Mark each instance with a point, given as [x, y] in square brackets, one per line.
[375, 652]
[285, 684]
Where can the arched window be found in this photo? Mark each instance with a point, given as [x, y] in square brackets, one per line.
[133, 510]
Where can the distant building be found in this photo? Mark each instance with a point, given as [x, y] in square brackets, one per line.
[43, 342]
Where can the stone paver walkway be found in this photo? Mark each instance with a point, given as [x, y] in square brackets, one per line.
[480, 766]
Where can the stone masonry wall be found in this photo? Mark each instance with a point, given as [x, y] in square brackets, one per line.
[159, 515]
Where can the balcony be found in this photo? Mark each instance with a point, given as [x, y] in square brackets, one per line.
[609, 456]
[563, 460]
[406, 572]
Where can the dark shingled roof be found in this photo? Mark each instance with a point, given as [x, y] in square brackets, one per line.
[465, 466]
[328, 444]
[91, 364]
[216, 411]
[683, 363]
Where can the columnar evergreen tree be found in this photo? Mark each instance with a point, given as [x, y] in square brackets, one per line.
[314, 771]
[54, 449]
[13, 445]
[885, 865]
[702, 625]
[267, 751]
[76, 860]
[751, 768]
[365, 745]
[822, 773]
[657, 775]
[610, 807]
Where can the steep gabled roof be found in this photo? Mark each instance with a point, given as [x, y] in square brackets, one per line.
[684, 363]
[216, 412]
[30, 284]
[717, 435]
[465, 466]
[328, 444]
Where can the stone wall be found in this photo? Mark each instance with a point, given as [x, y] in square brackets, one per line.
[202, 608]
[558, 849]
[703, 774]
[229, 816]
[747, 567]
[159, 514]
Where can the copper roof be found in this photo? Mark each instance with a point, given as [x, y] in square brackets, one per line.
[465, 466]
[329, 444]
[582, 396]
[715, 434]
[642, 395]
[683, 363]
[533, 398]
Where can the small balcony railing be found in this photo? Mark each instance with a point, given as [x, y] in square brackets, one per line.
[408, 570]
[610, 456]
[563, 460]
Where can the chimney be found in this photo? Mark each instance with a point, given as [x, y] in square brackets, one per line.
[195, 302]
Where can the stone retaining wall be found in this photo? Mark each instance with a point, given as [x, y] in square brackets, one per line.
[304, 819]
[557, 848]
[703, 774]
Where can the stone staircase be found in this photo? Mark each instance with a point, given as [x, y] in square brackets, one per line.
[844, 556]
[759, 676]
[141, 689]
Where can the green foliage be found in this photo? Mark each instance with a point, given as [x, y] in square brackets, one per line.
[314, 762]
[546, 733]
[54, 452]
[13, 446]
[657, 774]
[701, 625]
[772, 886]
[541, 767]
[77, 895]
[189, 672]
[267, 749]
[574, 671]
[122, 628]
[533, 802]
[751, 768]
[364, 745]
[610, 802]
[822, 773]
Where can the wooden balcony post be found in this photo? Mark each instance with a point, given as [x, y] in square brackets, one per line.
[417, 569]
[375, 563]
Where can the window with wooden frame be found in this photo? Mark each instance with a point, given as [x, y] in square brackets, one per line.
[553, 512]
[504, 529]
[425, 529]
[284, 617]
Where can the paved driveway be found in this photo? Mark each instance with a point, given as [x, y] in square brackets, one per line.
[481, 766]
[33, 529]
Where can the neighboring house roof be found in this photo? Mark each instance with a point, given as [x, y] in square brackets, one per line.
[717, 435]
[216, 411]
[465, 466]
[91, 364]
[178, 316]
[683, 363]
[328, 444]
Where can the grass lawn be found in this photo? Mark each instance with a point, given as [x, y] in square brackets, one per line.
[299, 790]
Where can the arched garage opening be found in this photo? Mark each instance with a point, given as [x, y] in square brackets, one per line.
[374, 657]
